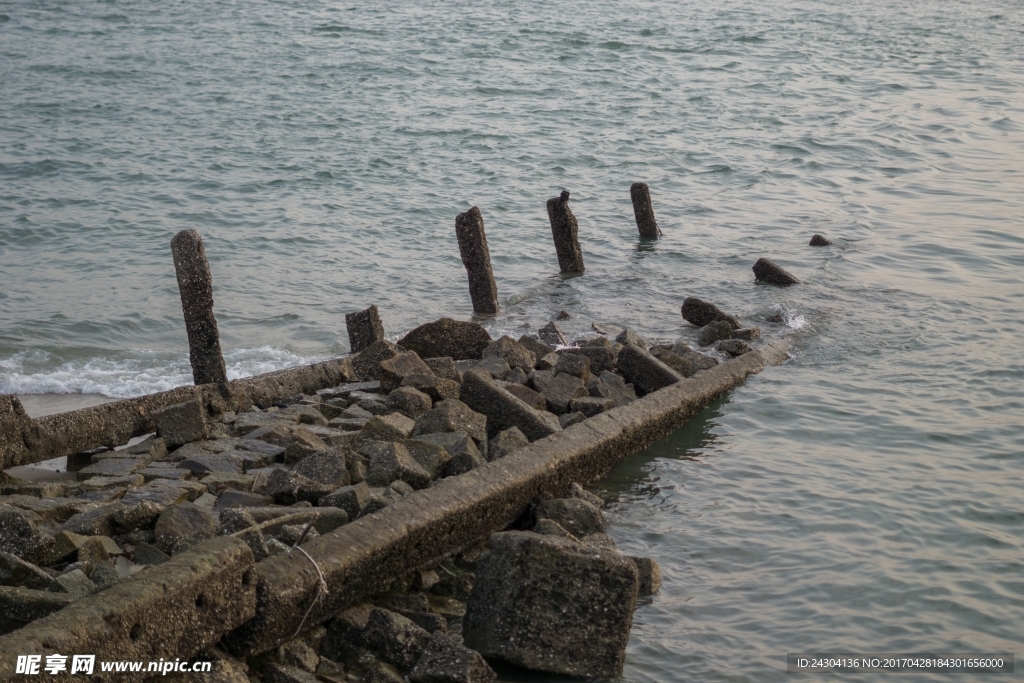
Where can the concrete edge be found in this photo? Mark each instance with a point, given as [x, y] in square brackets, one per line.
[362, 558]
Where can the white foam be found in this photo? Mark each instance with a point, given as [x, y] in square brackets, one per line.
[128, 374]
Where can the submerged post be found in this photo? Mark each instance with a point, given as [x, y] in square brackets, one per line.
[643, 210]
[195, 284]
[364, 328]
[565, 231]
[469, 228]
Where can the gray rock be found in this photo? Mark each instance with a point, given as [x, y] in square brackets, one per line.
[540, 379]
[701, 313]
[111, 467]
[528, 396]
[549, 527]
[503, 410]
[535, 346]
[446, 337]
[644, 371]
[375, 406]
[288, 488]
[517, 376]
[352, 499]
[395, 463]
[355, 413]
[562, 390]
[195, 285]
[733, 347]
[19, 573]
[182, 422]
[209, 463]
[628, 336]
[432, 457]
[551, 604]
[409, 402]
[687, 363]
[513, 353]
[147, 554]
[182, 526]
[100, 521]
[366, 365]
[364, 328]
[445, 661]
[443, 367]
[577, 491]
[395, 369]
[20, 606]
[747, 333]
[428, 621]
[437, 388]
[649, 574]
[768, 271]
[712, 332]
[591, 405]
[569, 419]
[394, 638]
[495, 366]
[601, 353]
[548, 362]
[275, 672]
[392, 427]
[327, 467]
[453, 416]
[75, 582]
[505, 442]
[305, 413]
[575, 515]
[466, 458]
[139, 515]
[20, 536]
[563, 315]
[452, 442]
[552, 335]
[301, 443]
[573, 364]
[819, 241]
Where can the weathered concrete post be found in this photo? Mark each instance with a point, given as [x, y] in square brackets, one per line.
[195, 284]
[565, 231]
[643, 210]
[469, 228]
[364, 328]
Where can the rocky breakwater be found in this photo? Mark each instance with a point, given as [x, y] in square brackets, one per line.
[548, 591]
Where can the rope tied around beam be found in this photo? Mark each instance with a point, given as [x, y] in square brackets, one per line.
[321, 587]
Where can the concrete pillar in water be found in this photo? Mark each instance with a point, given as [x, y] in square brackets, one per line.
[364, 328]
[469, 228]
[643, 211]
[565, 231]
[195, 284]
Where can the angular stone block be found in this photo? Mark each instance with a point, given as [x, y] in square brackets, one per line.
[364, 328]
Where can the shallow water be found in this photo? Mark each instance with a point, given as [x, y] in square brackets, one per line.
[867, 495]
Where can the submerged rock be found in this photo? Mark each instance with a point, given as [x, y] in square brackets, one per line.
[701, 313]
[768, 271]
[712, 332]
[819, 241]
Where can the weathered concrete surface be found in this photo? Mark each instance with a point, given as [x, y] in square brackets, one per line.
[169, 611]
[469, 229]
[195, 284]
[643, 210]
[565, 232]
[24, 440]
[362, 558]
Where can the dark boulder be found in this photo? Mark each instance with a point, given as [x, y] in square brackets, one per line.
[766, 270]
[552, 335]
[712, 332]
[445, 661]
[819, 241]
[514, 353]
[446, 337]
[644, 371]
[364, 328]
[395, 369]
[366, 365]
[701, 313]
[573, 514]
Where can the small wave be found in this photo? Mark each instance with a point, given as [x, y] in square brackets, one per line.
[130, 374]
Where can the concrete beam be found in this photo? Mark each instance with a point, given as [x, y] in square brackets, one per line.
[169, 611]
[362, 558]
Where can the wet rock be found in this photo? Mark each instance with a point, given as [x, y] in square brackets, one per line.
[409, 402]
[643, 211]
[649, 574]
[437, 388]
[445, 661]
[364, 328]
[562, 390]
[505, 442]
[538, 348]
[819, 241]
[20, 536]
[569, 419]
[591, 405]
[513, 353]
[563, 315]
[687, 364]
[395, 369]
[527, 396]
[552, 335]
[768, 271]
[182, 526]
[395, 463]
[327, 467]
[644, 371]
[20, 606]
[147, 554]
[628, 336]
[603, 356]
[366, 365]
[391, 427]
[180, 423]
[573, 514]
[432, 457]
[352, 499]
[453, 416]
[446, 337]
[573, 364]
[733, 347]
[503, 410]
[289, 488]
[495, 366]
[701, 313]
[394, 638]
[548, 362]
[577, 491]
[712, 332]
[551, 604]
[747, 333]
[443, 367]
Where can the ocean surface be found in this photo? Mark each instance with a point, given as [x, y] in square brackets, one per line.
[866, 496]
